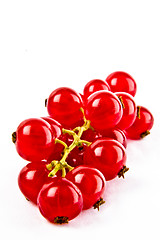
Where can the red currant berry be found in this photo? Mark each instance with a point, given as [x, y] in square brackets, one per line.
[57, 130]
[56, 126]
[104, 110]
[91, 183]
[142, 124]
[122, 82]
[129, 110]
[106, 155]
[90, 135]
[34, 139]
[94, 86]
[115, 134]
[55, 155]
[60, 200]
[75, 157]
[82, 97]
[64, 106]
[31, 179]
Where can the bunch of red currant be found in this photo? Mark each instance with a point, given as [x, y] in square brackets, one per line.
[79, 146]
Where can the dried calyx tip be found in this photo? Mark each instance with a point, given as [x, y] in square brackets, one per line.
[138, 111]
[81, 148]
[61, 220]
[14, 137]
[122, 171]
[144, 134]
[121, 100]
[98, 203]
[46, 102]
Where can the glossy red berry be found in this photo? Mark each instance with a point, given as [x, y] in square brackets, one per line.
[82, 98]
[75, 157]
[57, 130]
[107, 155]
[90, 135]
[31, 179]
[129, 110]
[64, 106]
[142, 124]
[116, 134]
[34, 139]
[60, 200]
[91, 183]
[104, 110]
[122, 82]
[56, 126]
[94, 86]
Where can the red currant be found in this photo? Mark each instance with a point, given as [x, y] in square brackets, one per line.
[142, 124]
[56, 126]
[57, 130]
[122, 82]
[94, 86]
[75, 157]
[129, 110]
[91, 183]
[107, 155]
[31, 179]
[90, 135]
[60, 200]
[115, 134]
[64, 106]
[34, 139]
[82, 97]
[104, 110]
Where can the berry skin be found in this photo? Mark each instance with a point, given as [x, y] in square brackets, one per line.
[142, 124]
[129, 110]
[107, 155]
[57, 130]
[56, 126]
[90, 135]
[104, 110]
[122, 82]
[75, 157]
[34, 139]
[31, 179]
[60, 199]
[116, 134]
[82, 97]
[91, 183]
[94, 86]
[64, 106]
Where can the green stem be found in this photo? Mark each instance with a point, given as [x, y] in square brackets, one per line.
[76, 129]
[61, 142]
[85, 142]
[70, 132]
[62, 164]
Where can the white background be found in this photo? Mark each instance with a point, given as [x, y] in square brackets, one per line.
[48, 44]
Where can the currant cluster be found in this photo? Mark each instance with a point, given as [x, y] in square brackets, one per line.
[80, 145]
